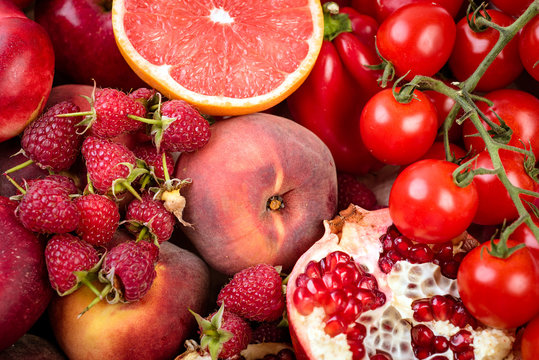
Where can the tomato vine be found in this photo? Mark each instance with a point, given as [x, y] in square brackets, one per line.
[496, 138]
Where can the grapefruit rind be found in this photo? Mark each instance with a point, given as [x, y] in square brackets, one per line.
[159, 78]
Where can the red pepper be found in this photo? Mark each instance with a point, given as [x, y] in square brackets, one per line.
[330, 101]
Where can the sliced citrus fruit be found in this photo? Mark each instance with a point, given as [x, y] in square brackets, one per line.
[227, 57]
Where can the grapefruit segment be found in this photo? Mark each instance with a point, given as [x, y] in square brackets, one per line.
[225, 57]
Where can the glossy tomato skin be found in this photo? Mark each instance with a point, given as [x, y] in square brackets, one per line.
[523, 234]
[512, 7]
[418, 38]
[443, 105]
[494, 295]
[519, 110]
[384, 8]
[528, 47]
[495, 204]
[427, 206]
[398, 133]
[437, 151]
[530, 340]
[472, 47]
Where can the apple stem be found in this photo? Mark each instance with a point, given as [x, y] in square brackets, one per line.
[97, 299]
[144, 120]
[20, 166]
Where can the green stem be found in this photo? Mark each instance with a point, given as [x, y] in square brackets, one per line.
[144, 120]
[18, 167]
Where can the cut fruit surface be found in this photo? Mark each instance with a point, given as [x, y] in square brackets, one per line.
[225, 57]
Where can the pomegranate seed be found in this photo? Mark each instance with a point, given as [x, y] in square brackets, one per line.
[368, 282]
[303, 300]
[443, 252]
[422, 353]
[357, 349]
[422, 310]
[356, 332]
[316, 287]
[420, 253]
[313, 269]
[286, 354]
[394, 255]
[461, 317]
[439, 357]
[367, 299]
[450, 269]
[336, 303]
[379, 298]
[301, 280]
[334, 326]
[459, 256]
[442, 307]
[440, 344]
[467, 354]
[461, 341]
[332, 280]
[352, 309]
[348, 273]
[385, 264]
[422, 336]
[328, 263]
[402, 245]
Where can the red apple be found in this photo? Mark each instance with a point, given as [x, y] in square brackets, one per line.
[83, 40]
[26, 69]
[260, 189]
[25, 290]
[154, 327]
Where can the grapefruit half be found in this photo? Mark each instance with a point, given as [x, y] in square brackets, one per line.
[226, 57]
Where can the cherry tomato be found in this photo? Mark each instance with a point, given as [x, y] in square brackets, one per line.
[492, 294]
[523, 234]
[427, 206]
[471, 48]
[529, 346]
[398, 133]
[495, 204]
[512, 7]
[443, 105]
[384, 8]
[528, 47]
[519, 110]
[437, 151]
[418, 38]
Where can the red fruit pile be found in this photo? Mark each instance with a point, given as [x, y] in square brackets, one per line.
[251, 307]
[104, 186]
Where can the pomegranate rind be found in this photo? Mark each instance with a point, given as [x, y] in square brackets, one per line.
[351, 223]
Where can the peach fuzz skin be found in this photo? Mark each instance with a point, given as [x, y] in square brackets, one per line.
[153, 328]
[227, 201]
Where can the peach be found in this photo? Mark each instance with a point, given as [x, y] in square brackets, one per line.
[260, 189]
[154, 327]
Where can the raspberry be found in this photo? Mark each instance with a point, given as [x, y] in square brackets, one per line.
[351, 191]
[270, 332]
[154, 158]
[151, 214]
[130, 269]
[104, 160]
[64, 254]
[111, 108]
[47, 208]
[99, 218]
[63, 181]
[254, 293]
[182, 128]
[52, 142]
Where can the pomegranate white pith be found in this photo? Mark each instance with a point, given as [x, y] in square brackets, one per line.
[417, 296]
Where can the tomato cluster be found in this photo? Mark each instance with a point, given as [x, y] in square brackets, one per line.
[353, 101]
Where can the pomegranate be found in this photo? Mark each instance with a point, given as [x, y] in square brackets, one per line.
[364, 291]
